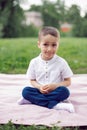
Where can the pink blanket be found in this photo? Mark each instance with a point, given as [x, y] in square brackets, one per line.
[10, 91]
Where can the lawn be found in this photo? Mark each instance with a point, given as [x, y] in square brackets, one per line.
[15, 54]
[11, 126]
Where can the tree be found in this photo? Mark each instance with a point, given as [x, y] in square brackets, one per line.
[79, 30]
[73, 14]
[13, 17]
[61, 9]
[74, 17]
[52, 12]
[3, 10]
[49, 14]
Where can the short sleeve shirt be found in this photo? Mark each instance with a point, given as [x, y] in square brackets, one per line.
[51, 71]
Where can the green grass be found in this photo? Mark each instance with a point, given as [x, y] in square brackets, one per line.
[15, 54]
[11, 126]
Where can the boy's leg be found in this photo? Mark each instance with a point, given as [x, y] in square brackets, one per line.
[23, 101]
[34, 96]
[46, 100]
[59, 94]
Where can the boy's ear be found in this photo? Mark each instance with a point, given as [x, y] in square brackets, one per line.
[38, 44]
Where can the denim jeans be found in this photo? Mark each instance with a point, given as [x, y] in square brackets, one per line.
[46, 100]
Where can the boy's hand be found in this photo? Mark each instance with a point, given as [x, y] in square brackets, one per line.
[42, 90]
[48, 88]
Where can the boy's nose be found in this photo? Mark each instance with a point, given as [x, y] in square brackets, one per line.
[49, 48]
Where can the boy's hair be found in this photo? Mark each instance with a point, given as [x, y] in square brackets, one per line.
[48, 30]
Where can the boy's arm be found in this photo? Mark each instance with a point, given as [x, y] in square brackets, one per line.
[35, 84]
[50, 87]
[66, 82]
[53, 86]
[38, 86]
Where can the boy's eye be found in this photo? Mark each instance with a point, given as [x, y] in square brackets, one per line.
[54, 44]
[45, 44]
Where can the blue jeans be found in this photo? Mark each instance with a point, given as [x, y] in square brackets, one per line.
[46, 100]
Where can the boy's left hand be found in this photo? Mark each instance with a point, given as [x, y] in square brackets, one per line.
[50, 87]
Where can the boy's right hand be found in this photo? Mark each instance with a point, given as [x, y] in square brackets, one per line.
[43, 91]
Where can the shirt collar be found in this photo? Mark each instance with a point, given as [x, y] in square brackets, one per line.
[48, 61]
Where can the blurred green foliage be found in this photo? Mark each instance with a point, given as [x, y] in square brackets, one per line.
[54, 13]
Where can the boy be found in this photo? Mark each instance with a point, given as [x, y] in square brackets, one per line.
[49, 74]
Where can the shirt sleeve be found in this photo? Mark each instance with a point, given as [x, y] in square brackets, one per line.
[31, 71]
[66, 70]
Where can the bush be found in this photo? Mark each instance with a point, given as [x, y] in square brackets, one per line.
[29, 31]
[66, 34]
[79, 29]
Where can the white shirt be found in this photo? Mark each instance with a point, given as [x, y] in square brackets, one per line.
[51, 71]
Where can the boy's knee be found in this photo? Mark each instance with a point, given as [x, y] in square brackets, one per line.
[25, 92]
[65, 91]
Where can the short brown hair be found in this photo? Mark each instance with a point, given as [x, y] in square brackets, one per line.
[48, 30]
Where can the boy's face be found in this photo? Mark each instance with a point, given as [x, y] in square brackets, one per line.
[48, 45]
